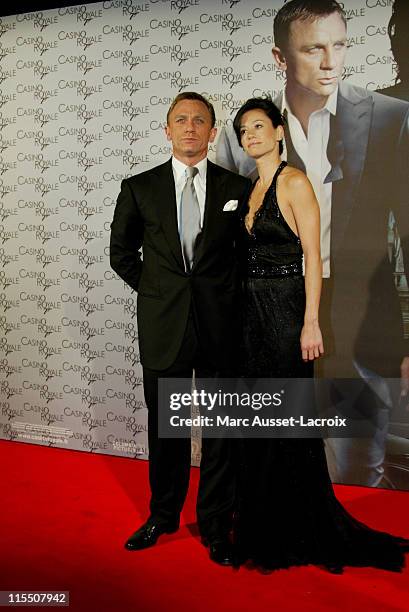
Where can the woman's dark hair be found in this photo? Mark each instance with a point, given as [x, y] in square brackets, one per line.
[398, 34]
[264, 104]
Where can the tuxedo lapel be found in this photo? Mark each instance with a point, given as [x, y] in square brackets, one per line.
[335, 150]
[214, 200]
[293, 158]
[348, 147]
[165, 199]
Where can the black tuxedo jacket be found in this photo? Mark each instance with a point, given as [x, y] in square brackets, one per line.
[368, 150]
[145, 218]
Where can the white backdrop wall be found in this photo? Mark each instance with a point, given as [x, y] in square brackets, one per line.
[83, 97]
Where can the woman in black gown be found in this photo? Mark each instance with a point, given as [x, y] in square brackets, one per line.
[288, 512]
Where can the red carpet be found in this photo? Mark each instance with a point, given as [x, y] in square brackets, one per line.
[66, 515]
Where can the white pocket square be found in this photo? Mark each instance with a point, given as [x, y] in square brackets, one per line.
[230, 205]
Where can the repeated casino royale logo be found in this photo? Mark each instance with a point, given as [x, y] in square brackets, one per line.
[84, 92]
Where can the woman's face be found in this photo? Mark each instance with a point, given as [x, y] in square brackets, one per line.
[258, 135]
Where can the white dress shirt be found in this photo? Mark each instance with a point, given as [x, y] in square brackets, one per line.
[312, 149]
[199, 182]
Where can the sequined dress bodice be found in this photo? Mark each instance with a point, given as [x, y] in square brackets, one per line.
[273, 249]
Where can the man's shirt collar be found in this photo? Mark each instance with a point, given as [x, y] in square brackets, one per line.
[330, 105]
[179, 168]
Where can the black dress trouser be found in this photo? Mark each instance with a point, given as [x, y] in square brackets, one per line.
[169, 459]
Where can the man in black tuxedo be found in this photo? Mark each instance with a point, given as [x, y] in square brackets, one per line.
[353, 144]
[184, 216]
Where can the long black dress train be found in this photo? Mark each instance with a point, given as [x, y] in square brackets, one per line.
[288, 513]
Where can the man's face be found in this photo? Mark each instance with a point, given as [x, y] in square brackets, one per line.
[315, 56]
[190, 130]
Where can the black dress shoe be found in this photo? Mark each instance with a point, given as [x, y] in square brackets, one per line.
[147, 535]
[220, 551]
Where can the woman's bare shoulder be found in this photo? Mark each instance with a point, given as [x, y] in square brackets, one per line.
[293, 175]
[296, 184]
[295, 179]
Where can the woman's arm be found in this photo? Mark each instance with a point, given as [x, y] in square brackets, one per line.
[306, 213]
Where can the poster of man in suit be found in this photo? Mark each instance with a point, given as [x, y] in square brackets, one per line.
[353, 145]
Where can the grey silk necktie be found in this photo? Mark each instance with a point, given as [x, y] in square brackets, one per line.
[190, 217]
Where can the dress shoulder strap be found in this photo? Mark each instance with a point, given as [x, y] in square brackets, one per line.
[278, 171]
[273, 189]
